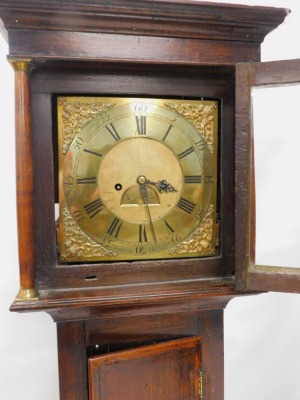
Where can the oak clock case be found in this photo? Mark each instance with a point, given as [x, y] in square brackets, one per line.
[137, 178]
[143, 62]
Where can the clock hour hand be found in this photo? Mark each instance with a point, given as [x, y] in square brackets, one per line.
[162, 186]
[141, 180]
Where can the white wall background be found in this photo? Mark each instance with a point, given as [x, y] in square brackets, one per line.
[262, 333]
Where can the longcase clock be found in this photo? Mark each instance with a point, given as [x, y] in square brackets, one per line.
[136, 185]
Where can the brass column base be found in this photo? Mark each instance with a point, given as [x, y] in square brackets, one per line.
[28, 294]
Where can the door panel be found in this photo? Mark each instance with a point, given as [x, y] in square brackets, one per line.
[169, 370]
[267, 176]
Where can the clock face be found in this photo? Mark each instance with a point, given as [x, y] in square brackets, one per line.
[138, 179]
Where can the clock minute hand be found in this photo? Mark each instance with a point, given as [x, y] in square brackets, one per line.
[141, 180]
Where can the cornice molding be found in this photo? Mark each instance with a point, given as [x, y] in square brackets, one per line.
[164, 18]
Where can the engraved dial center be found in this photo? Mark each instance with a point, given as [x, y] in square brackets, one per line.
[131, 163]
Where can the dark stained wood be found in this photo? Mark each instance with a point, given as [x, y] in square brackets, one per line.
[165, 370]
[147, 31]
[275, 72]
[24, 171]
[211, 292]
[213, 355]
[45, 229]
[126, 328]
[160, 18]
[72, 359]
[252, 208]
[143, 325]
[242, 175]
[120, 329]
[126, 48]
[274, 279]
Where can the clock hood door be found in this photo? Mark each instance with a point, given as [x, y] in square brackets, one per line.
[267, 189]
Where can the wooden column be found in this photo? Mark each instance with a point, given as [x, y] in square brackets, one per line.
[24, 170]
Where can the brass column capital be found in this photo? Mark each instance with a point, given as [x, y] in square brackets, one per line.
[21, 64]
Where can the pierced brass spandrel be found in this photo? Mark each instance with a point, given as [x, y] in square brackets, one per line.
[202, 240]
[77, 244]
[202, 116]
[74, 114]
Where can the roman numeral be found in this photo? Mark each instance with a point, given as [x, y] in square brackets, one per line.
[192, 179]
[141, 124]
[142, 234]
[167, 133]
[186, 152]
[168, 226]
[186, 205]
[115, 227]
[90, 180]
[94, 153]
[112, 130]
[93, 208]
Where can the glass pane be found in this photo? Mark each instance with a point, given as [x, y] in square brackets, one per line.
[276, 112]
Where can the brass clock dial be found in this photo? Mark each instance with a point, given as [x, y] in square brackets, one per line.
[137, 179]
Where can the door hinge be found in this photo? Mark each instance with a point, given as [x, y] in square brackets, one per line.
[200, 385]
